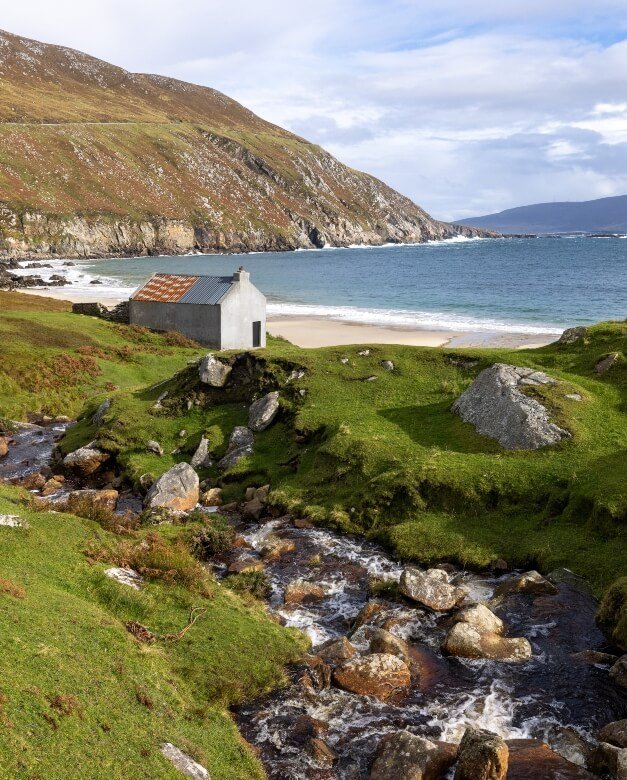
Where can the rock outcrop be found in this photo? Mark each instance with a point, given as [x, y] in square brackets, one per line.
[215, 177]
[213, 372]
[184, 763]
[431, 588]
[496, 406]
[240, 445]
[177, 488]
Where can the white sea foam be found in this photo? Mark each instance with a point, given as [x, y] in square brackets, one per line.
[406, 318]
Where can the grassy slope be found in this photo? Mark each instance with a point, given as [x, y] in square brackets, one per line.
[81, 136]
[389, 459]
[66, 636]
[52, 360]
[416, 476]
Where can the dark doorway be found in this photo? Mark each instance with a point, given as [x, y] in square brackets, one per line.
[256, 334]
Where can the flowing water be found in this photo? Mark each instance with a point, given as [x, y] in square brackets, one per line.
[552, 697]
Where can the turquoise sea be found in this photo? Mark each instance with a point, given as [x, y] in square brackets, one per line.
[504, 285]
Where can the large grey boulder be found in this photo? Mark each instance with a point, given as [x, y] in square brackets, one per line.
[496, 407]
[263, 411]
[481, 618]
[240, 445]
[178, 488]
[405, 756]
[431, 588]
[213, 372]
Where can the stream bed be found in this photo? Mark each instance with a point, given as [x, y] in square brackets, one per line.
[553, 697]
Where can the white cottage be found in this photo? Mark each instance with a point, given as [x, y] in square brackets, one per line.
[222, 312]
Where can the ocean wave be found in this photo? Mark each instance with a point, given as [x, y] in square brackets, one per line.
[406, 318]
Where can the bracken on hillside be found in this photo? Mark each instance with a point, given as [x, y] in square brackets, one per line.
[95, 161]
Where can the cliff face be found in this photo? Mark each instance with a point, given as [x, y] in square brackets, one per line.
[97, 161]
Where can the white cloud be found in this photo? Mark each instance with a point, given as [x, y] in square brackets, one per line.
[467, 108]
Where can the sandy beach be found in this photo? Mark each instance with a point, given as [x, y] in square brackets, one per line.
[323, 332]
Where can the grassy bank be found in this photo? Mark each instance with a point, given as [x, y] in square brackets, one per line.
[80, 696]
[385, 457]
[52, 360]
[388, 458]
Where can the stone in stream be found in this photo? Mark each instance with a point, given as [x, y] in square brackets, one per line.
[594, 657]
[482, 755]
[125, 576]
[184, 763]
[178, 488]
[365, 615]
[615, 733]
[212, 497]
[243, 565]
[496, 407]
[318, 674]
[618, 672]
[321, 753]
[263, 411]
[100, 412]
[337, 651]
[431, 588]
[240, 445]
[13, 521]
[382, 641]
[379, 674]
[481, 618]
[298, 591]
[4, 446]
[274, 547]
[530, 582]
[52, 486]
[213, 372]
[609, 761]
[532, 759]
[466, 641]
[405, 756]
[154, 447]
[86, 460]
[105, 499]
[34, 481]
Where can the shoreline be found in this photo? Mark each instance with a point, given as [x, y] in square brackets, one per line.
[312, 331]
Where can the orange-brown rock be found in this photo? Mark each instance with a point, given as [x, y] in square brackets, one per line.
[379, 674]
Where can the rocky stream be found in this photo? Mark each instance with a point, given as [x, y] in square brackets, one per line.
[343, 592]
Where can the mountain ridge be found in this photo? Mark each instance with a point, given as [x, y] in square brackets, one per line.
[97, 161]
[587, 216]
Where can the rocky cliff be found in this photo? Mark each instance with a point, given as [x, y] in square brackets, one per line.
[97, 161]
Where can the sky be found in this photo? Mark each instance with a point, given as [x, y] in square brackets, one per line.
[467, 108]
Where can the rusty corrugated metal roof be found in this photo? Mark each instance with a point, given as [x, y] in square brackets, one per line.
[165, 288]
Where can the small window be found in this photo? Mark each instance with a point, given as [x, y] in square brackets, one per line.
[257, 334]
